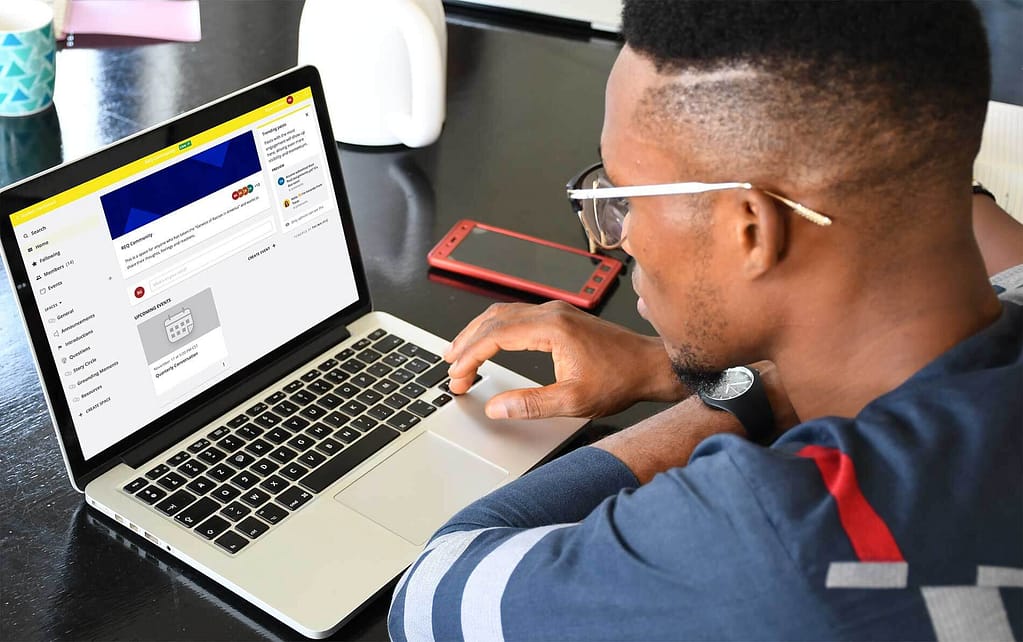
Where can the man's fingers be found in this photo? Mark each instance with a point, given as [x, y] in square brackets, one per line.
[554, 400]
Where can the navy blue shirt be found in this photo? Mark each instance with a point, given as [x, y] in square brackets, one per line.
[904, 522]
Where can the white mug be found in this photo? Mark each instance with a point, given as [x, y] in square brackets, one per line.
[383, 65]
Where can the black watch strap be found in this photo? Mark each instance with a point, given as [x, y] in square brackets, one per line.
[752, 407]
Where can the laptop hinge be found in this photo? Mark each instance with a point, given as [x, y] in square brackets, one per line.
[206, 411]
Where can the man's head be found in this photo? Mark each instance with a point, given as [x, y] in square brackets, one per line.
[853, 109]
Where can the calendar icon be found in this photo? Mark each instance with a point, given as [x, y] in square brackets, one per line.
[179, 326]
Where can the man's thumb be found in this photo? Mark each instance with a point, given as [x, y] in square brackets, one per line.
[529, 403]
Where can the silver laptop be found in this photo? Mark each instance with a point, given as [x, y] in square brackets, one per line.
[600, 15]
[219, 383]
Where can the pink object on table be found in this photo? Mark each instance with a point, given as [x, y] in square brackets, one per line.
[160, 19]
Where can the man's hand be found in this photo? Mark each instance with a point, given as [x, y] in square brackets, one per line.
[600, 368]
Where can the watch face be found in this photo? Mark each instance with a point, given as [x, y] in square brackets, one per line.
[734, 382]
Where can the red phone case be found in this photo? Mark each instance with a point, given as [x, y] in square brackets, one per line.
[588, 295]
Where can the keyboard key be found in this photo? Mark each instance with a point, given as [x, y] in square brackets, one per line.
[252, 527]
[348, 435]
[330, 401]
[327, 365]
[197, 512]
[335, 419]
[385, 386]
[413, 351]
[293, 498]
[279, 435]
[313, 412]
[444, 386]
[201, 485]
[361, 344]
[301, 442]
[397, 401]
[422, 408]
[285, 408]
[441, 400]
[211, 455]
[225, 493]
[343, 462]
[394, 359]
[221, 472]
[364, 424]
[379, 369]
[237, 421]
[293, 386]
[170, 481]
[401, 375]
[319, 431]
[175, 502]
[151, 494]
[352, 366]
[369, 397]
[159, 471]
[276, 397]
[240, 459]
[312, 459]
[272, 513]
[412, 390]
[249, 431]
[294, 471]
[363, 380]
[199, 445]
[223, 430]
[434, 375]
[376, 334]
[267, 419]
[347, 390]
[135, 486]
[303, 397]
[232, 542]
[265, 467]
[320, 387]
[230, 443]
[353, 408]
[328, 447]
[347, 353]
[212, 527]
[312, 375]
[335, 376]
[235, 511]
[368, 356]
[273, 484]
[178, 458]
[245, 480]
[259, 447]
[380, 412]
[283, 455]
[388, 343]
[255, 498]
[296, 424]
[259, 408]
[403, 421]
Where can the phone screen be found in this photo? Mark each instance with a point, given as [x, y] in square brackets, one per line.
[524, 259]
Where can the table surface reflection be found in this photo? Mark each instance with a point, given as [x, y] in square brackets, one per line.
[524, 112]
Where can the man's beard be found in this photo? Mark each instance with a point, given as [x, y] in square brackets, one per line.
[693, 372]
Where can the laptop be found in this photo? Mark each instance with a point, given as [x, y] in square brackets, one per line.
[599, 15]
[219, 383]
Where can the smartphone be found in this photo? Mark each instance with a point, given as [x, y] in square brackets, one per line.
[525, 263]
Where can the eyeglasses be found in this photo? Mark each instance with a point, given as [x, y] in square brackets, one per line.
[602, 207]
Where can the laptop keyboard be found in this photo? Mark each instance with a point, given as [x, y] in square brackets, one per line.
[238, 481]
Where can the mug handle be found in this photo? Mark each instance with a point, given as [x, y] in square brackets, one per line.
[423, 125]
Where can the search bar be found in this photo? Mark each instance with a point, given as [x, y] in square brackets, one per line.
[208, 258]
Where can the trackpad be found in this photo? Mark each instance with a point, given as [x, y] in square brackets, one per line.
[415, 490]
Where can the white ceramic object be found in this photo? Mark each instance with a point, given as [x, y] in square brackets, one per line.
[383, 65]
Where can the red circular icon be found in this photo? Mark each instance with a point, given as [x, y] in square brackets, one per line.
[234, 195]
[290, 99]
[140, 292]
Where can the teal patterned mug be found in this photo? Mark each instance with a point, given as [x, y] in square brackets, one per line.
[27, 57]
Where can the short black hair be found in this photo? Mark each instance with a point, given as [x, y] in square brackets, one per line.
[908, 80]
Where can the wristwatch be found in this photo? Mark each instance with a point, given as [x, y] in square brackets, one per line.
[741, 392]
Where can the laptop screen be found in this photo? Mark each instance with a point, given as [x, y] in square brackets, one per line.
[168, 274]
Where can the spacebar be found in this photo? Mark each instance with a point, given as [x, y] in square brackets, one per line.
[335, 467]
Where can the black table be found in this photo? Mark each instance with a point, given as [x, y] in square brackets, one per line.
[524, 113]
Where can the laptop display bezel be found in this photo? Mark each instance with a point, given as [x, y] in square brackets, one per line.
[207, 406]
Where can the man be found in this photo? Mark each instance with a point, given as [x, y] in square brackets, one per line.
[828, 243]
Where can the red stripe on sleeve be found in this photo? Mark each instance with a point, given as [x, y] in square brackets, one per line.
[867, 532]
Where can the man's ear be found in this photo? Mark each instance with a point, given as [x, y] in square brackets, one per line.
[759, 232]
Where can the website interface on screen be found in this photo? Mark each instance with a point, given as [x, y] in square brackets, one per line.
[161, 278]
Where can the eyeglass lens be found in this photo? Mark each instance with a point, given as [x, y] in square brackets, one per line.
[603, 217]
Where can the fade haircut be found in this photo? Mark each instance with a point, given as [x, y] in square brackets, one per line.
[837, 96]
